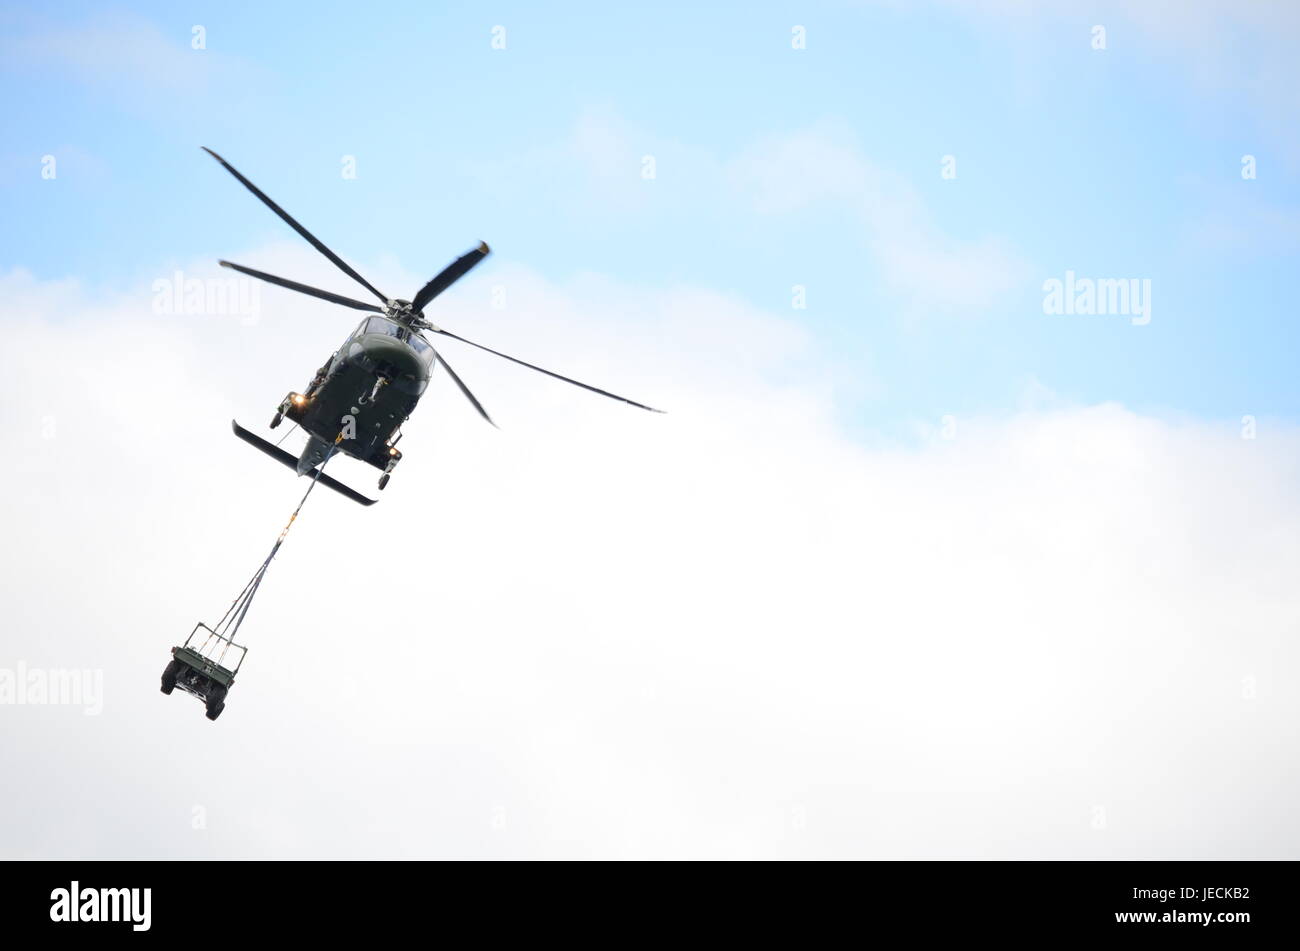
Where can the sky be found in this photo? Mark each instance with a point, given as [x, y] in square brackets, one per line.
[915, 566]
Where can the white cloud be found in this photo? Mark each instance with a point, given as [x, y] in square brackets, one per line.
[729, 631]
[128, 58]
[596, 168]
[1239, 54]
[932, 270]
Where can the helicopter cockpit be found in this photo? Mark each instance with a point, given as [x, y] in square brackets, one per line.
[391, 328]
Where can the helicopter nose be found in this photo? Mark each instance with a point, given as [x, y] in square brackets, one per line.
[385, 350]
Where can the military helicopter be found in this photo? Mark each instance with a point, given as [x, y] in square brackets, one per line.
[359, 398]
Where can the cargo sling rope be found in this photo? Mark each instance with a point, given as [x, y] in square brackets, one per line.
[228, 626]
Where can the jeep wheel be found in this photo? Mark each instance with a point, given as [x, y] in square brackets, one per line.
[169, 676]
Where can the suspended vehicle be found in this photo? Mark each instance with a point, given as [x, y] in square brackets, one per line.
[373, 382]
[198, 668]
[200, 665]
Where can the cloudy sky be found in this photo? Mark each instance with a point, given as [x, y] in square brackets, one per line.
[913, 567]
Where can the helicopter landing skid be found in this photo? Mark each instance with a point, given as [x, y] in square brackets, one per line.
[291, 461]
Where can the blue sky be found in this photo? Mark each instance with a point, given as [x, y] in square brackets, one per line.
[1119, 163]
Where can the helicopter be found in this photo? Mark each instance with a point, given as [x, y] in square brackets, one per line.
[358, 400]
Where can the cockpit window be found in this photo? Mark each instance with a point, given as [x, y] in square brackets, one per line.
[421, 346]
[380, 325]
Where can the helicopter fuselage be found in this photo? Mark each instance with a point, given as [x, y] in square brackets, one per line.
[363, 394]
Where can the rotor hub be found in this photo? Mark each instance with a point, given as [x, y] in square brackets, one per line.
[399, 310]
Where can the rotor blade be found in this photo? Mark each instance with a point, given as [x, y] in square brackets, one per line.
[613, 396]
[464, 389]
[449, 275]
[288, 219]
[302, 288]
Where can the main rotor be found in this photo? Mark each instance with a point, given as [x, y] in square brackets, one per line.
[409, 313]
